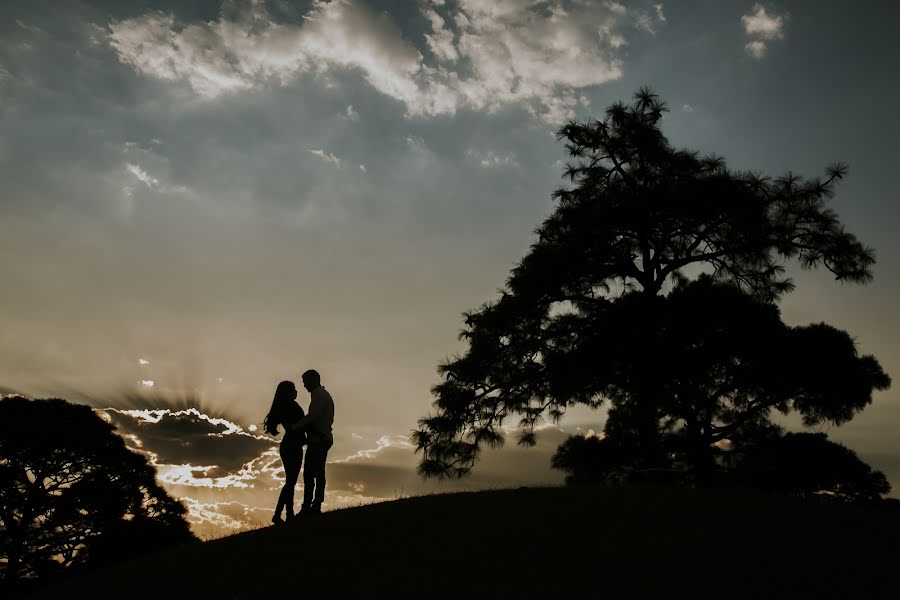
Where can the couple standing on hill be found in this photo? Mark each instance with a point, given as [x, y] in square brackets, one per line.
[312, 430]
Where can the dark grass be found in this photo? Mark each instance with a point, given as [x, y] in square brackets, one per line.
[632, 542]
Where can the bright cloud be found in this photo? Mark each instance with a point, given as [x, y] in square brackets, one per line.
[156, 415]
[216, 519]
[756, 49]
[762, 27]
[326, 156]
[760, 23]
[384, 442]
[199, 476]
[514, 51]
[442, 41]
[142, 175]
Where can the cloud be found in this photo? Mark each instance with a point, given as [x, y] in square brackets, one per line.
[762, 28]
[27, 27]
[650, 21]
[384, 442]
[442, 40]
[328, 157]
[222, 471]
[228, 55]
[538, 56]
[210, 446]
[137, 156]
[216, 519]
[389, 469]
[204, 475]
[763, 25]
[491, 159]
[756, 49]
[142, 176]
[483, 55]
[416, 144]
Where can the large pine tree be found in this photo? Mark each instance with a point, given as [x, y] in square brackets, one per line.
[579, 320]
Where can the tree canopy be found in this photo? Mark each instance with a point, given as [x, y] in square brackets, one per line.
[731, 363]
[586, 318]
[72, 494]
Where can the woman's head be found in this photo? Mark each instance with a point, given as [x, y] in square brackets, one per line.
[285, 391]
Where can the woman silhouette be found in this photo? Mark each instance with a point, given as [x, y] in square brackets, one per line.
[285, 411]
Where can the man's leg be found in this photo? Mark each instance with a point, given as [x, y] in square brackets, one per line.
[314, 476]
[309, 475]
[322, 458]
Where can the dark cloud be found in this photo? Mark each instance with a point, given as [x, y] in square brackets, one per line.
[190, 437]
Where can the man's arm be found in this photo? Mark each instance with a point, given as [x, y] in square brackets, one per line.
[315, 411]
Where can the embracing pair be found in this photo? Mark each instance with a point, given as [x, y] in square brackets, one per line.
[312, 430]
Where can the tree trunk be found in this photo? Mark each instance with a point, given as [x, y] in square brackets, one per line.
[649, 389]
[14, 560]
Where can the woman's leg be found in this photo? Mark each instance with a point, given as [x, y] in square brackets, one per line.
[279, 506]
[291, 476]
[292, 459]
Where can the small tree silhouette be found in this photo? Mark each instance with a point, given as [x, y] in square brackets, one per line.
[71, 493]
[639, 216]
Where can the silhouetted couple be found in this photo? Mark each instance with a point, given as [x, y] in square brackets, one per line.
[312, 430]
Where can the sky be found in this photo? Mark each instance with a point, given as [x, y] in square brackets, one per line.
[201, 199]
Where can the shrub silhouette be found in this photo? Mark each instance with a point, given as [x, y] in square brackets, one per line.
[581, 317]
[72, 494]
[809, 463]
[589, 459]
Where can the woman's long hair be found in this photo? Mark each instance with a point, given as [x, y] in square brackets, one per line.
[284, 393]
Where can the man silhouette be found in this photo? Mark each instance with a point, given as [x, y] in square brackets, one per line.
[317, 423]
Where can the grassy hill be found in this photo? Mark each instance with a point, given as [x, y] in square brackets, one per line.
[535, 543]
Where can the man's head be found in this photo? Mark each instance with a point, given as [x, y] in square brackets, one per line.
[311, 380]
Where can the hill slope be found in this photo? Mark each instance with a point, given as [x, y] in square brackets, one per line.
[530, 543]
